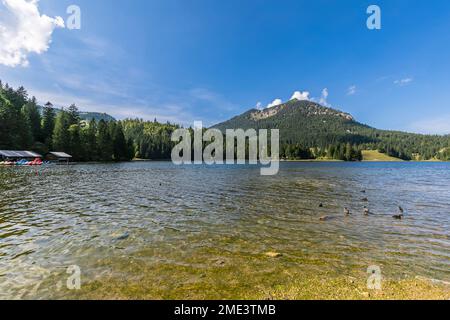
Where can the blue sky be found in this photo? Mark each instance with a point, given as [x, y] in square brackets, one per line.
[209, 60]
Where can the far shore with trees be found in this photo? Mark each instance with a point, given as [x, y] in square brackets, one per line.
[26, 126]
[23, 126]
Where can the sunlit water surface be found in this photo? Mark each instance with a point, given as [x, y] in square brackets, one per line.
[106, 217]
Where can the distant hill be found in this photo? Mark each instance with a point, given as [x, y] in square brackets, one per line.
[88, 116]
[301, 121]
[312, 125]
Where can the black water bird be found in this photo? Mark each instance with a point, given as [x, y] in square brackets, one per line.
[321, 205]
[400, 215]
[366, 211]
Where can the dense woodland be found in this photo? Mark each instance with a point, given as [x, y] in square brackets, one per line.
[309, 130]
[304, 135]
[26, 126]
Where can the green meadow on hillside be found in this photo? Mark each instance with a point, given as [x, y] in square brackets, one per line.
[375, 155]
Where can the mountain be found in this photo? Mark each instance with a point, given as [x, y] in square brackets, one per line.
[97, 116]
[87, 116]
[301, 122]
[311, 125]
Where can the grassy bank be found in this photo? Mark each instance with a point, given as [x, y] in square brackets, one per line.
[374, 155]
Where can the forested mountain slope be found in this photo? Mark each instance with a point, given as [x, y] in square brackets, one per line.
[307, 125]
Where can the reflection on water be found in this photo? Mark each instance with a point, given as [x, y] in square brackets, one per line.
[98, 216]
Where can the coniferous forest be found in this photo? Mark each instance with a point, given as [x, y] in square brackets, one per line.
[26, 126]
[309, 130]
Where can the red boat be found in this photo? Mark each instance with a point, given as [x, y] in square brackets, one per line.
[35, 162]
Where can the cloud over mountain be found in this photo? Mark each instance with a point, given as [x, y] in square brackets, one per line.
[275, 103]
[300, 96]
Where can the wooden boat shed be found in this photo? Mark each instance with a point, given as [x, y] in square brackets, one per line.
[18, 155]
[58, 157]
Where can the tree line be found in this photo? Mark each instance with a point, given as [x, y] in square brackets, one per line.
[26, 126]
[338, 151]
[305, 126]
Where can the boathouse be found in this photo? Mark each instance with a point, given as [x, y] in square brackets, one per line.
[58, 157]
[18, 155]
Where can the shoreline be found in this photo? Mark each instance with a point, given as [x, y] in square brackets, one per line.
[365, 161]
[285, 161]
[207, 284]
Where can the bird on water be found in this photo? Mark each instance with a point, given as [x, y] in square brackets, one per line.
[400, 215]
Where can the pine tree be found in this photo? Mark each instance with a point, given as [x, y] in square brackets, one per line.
[104, 143]
[6, 141]
[16, 127]
[61, 135]
[348, 152]
[75, 147]
[17, 98]
[31, 114]
[48, 125]
[74, 115]
[89, 140]
[119, 144]
[131, 150]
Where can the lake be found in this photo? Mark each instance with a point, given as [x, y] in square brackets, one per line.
[156, 230]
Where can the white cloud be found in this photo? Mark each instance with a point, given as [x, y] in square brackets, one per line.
[324, 98]
[325, 93]
[23, 30]
[403, 82]
[300, 96]
[259, 106]
[275, 102]
[351, 90]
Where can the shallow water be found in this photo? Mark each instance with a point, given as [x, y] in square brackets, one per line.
[157, 223]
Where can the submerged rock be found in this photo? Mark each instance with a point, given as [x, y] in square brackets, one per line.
[121, 237]
[273, 254]
[220, 262]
